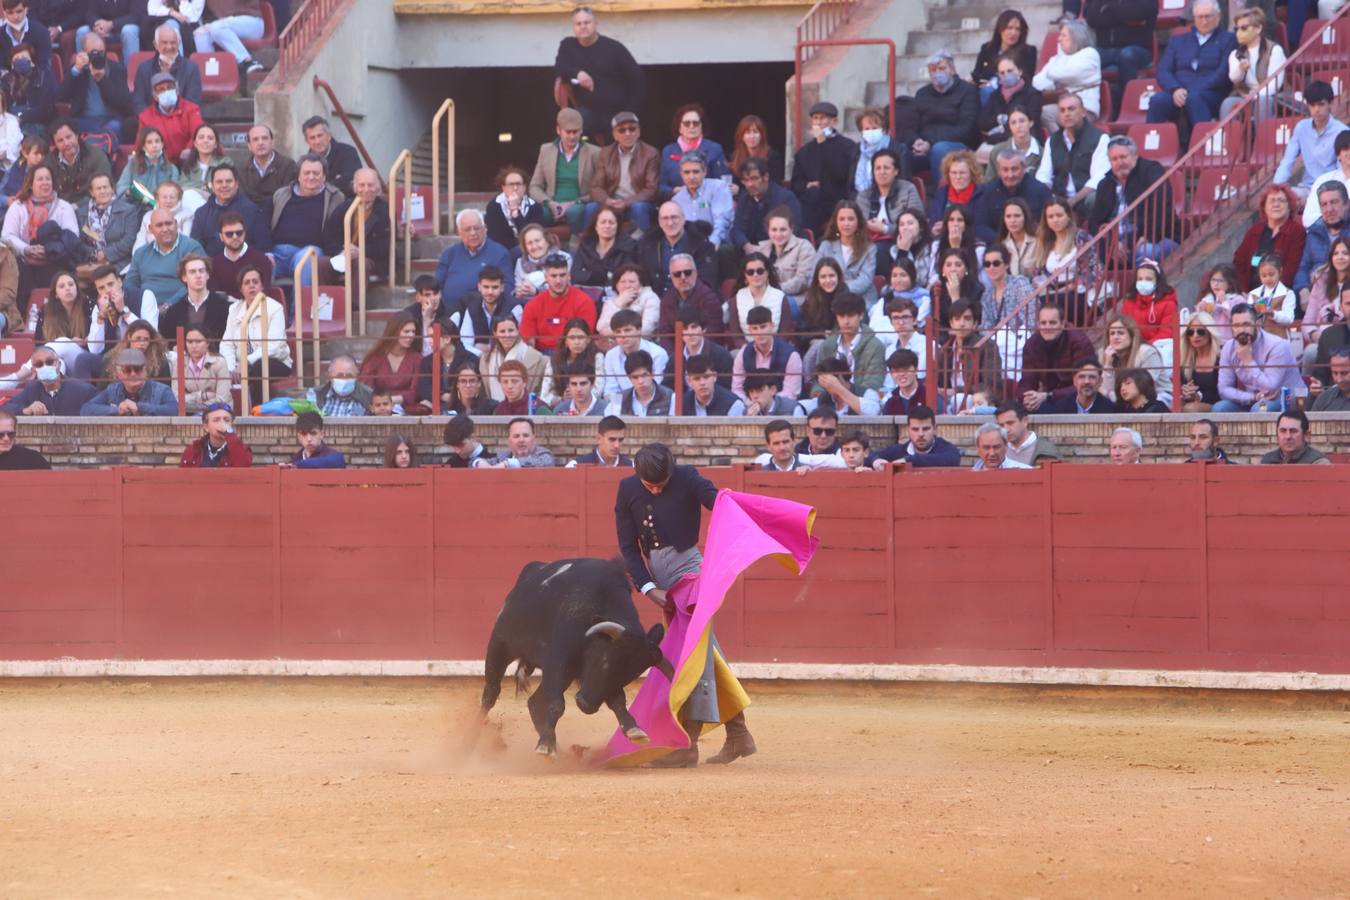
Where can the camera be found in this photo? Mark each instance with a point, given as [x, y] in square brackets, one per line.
[98, 59]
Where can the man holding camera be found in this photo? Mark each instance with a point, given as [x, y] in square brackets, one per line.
[96, 89]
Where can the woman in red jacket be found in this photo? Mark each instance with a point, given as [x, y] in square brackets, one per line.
[393, 363]
[1278, 231]
[1152, 303]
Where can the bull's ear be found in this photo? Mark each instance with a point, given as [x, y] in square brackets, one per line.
[656, 634]
[612, 630]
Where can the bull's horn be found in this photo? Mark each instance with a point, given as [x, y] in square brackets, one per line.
[608, 629]
[665, 668]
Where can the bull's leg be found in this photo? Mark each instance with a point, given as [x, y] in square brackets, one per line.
[498, 658]
[546, 708]
[619, 704]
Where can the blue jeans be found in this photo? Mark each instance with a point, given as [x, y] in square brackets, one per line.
[1127, 61]
[1200, 107]
[229, 34]
[131, 39]
[639, 213]
[95, 124]
[285, 255]
[1233, 406]
[1154, 250]
[933, 160]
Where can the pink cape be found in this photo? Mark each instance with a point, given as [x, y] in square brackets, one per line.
[744, 529]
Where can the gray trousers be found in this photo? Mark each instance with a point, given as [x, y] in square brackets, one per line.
[667, 566]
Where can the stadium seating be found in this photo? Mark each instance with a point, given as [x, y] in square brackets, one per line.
[1158, 141]
[220, 75]
[1134, 104]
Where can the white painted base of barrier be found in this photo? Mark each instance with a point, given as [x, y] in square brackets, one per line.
[1152, 678]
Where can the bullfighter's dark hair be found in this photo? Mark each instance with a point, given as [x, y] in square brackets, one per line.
[654, 463]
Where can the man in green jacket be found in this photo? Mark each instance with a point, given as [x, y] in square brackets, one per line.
[855, 343]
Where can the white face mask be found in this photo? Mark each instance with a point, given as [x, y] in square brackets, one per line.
[872, 135]
[48, 374]
[343, 387]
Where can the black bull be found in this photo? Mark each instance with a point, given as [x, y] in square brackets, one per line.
[575, 620]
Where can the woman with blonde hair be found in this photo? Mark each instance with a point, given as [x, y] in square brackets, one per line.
[536, 245]
[960, 179]
[1199, 364]
[1124, 348]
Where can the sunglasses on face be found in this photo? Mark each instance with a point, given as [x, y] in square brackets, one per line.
[233, 233]
[626, 129]
[1195, 332]
[7, 435]
[130, 370]
[992, 263]
[757, 271]
[823, 432]
[682, 273]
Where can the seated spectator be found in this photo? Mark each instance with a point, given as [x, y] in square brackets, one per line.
[202, 154]
[895, 320]
[903, 366]
[757, 288]
[1152, 303]
[29, 89]
[603, 249]
[672, 237]
[705, 200]
[705, 397]
[782, 456]
[1313, 140]
[1125, 445]
[1124, 31]
[628, 340]
[816, 315]
[225, 197]
[1322, 305]
[41, 229]
[1337, 397]
[1007, 296]
[626, 174]
[143, 336]
[96, 88]
[169, 196]
[307, 214]
[762, 399]
[1017, 235]
[262, 340]
[1331, 337]
[582, 399]
[1123, 347]
[1010, 36]
[427, 311]
[913, 239]
[631, 292]
[688, 289]
[394, 362]
[1087, 398]
[1199, 350]
[1218, 303]
[76, 162]
[853, 341]
[834, 387]
[543, 318]
[1340, 172]
[313, 452]
[645, 397]
[218, 447]
[1075, 159]
[227, 24]
[459, 265]
[524, 452]
[12, 456]
[1193, 71]
[991, 448]
[959, 282]
[1075, 70]
[752, 142]
[236, 253]
[962, 363]
[19, 28]
[340, 160]
[1022, 139]
[1204, 444]
[1332, 199]
[874, 139]
[846, 242]
[823, 167]
[382, 403]
[146, 169]
[688, 125]
[50, 392]
[174, 116]
[1254, 59]
[1013, 182]
[536, 245]
[200, 306]
[957, 186]
[506, 345]
[108, 224]
[695, 342]
[608, 450]
[761, 197]
[1014, 90]
[1064, 272]
[1024, 445]
[513, 378]
[764, 353]
[132, 394]
[343, 394]
[267, 171]
[476, 310]
[462, 390]
[564, 171]
[512, 209]
[1152, 229]
[1291, 433]
[793, 257]
[1137, 393]
[115, 318]
[465, 451]
[956, 232]
[400, 452]
[1255, 368]
[924, 449]
[32, 152]
[578, 350]
[1277, 231]
[948, 110]
[379, 228]
[1271, 296]
[154, 268]
[65, 324]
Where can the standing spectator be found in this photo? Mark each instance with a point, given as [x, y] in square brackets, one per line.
[1075, 160]
[394, 362]
[1255, 368]
[343, 394]
[752, 142]
[524, 452]
[687, 288]
[793, 258]
[51, 393]
[29, 90]
[1199, 364]
[1010, 36]
[175, 117]
[41, 229]
[626, 174]
[76, 162]
[1277, 231]
[1193, 71]
[948, 110]
[236, 253]
[206, 377]
[168, 60]
[757, 288]
[108, 224]
[218, 447]
[12, 456]
[687, 126]
[459, 265]
[1251, 62]
[400, 452]
[96, 89]
[1125, 40]
[1014, 91]
[924, 449]
[307, 214]
[154, 268]
[313, 452]
[766, 354]
[1125, 446]
[674, 237]
[823, 167]
[225, 197]
[631, 292]
[705, 397]
[20, 28]
[512, 209]
[564, 171]
[227, 24]
[1339, 172]
[1313, 140]
[1087, 398]
[1335, 398]
[340, 160]
[760, 198]
[707, 201]
[266, 171]
[132, 394]
[1014, 182]
[506, 345]
[146, 169]
[1024, 445]
[845, 241]
[886, 196]
[1291, 433]
[1152, 303]
[200, 306]
[544, 316]
[270, 340]
[608, 450]
[603, 250]
[603, 76]
[1075, 69]
[1332, 199]
[1150, 232]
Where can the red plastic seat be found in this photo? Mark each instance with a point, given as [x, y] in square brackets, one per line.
[1170, 13]
[1049, 47]
[269, 37]
[332, 310]
[1272, 136]
[1215, 188]
[1134, 103]
[134, 63]
[1157, 141]
[1332, 45]
[14, 352]
[1219, 146]
[420, 209]
[220, 75]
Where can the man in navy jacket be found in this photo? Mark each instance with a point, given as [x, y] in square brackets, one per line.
[924, 449]
[1193, 72]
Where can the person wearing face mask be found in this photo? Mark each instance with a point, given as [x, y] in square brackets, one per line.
[29, 90]
[1014, 90]
[343, 394]
[218, 447]
[822, 171]
[20, 28]
[1152, 303]
[948, 109]
[874, 139]
[50, 393]
[172, 115]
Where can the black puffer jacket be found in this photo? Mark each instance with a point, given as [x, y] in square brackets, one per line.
[950, 116]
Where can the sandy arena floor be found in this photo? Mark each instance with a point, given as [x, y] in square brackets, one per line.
[336, 788]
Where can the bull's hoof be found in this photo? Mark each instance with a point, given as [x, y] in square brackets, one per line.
[635, 734]
[551, 751]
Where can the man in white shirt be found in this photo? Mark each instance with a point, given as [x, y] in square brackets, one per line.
[627, 327]
[783, 457]
[646, 397]
[1340, 172]
[991, 445]
[581, 399]
[1024, 445]
[1075, 156]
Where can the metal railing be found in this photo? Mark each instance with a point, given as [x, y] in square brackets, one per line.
[822, 21]
[310, 256]
[357, 211]
[447, 112]
[300, 32]
[397, 216]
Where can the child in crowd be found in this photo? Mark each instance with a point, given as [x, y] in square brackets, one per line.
[381, 403]
[1224, 292]
[854, 449]
[1273, 298]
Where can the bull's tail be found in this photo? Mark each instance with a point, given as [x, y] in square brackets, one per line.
[523, 672]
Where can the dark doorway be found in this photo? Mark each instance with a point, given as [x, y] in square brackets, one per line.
[493, 103]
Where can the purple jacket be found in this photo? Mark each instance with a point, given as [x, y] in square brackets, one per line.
[1273, 367]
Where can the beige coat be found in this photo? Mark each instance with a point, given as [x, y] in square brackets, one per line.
[212, 385]
[794, 266]
[543, 184]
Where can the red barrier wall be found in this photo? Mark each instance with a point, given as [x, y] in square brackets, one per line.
[1235, 568]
